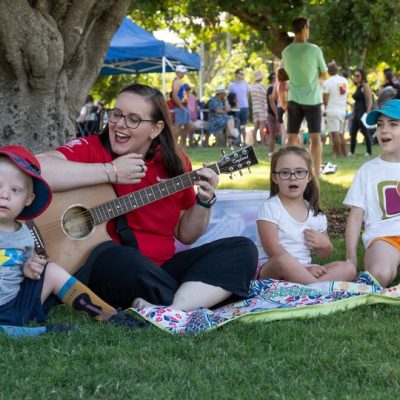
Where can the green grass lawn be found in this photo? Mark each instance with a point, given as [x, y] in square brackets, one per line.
[347, 355]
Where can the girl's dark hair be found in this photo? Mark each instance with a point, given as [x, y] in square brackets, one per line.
[282, 75]
[362, 73]
[172, 162]
[311, 194]
[390, 77]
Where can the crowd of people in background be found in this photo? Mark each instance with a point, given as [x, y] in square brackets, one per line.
[302, 101]
[266, 108]
[91, 118]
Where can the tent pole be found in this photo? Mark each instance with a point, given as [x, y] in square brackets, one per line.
[201, 71]
[163, 77]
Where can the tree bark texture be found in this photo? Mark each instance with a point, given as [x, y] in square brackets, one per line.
[51, 53]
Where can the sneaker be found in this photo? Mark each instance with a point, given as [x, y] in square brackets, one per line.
[367, 278]
[329, 168]
[127, 321]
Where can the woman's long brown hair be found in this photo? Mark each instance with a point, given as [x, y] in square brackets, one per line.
[172, 162]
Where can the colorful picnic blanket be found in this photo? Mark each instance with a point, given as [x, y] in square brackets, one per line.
[271, 300]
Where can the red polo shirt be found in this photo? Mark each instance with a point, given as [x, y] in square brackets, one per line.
[154, 223]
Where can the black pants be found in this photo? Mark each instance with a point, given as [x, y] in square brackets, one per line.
[356, 126]
[119, 274]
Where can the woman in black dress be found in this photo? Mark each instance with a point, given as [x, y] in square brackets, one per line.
[362, 105]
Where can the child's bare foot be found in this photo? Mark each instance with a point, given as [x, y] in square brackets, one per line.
[141, 303]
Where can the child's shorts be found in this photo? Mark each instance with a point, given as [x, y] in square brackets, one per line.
[393, 240]
[26, 306]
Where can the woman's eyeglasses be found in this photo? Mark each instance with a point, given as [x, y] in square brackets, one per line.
[131, 120]
[286, 174]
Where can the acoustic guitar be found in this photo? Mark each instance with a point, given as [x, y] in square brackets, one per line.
[75, 222]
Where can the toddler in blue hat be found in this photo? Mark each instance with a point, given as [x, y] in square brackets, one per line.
[26, 280]
[374, 198]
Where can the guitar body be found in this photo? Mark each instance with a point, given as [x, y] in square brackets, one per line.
[69, 239]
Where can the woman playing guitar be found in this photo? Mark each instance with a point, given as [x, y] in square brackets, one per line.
[136, 153]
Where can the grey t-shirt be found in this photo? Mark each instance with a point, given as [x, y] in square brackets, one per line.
[15, 249]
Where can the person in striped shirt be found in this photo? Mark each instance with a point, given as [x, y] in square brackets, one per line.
[258, 93]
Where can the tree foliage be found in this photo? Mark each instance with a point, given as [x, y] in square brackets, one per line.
[270, 19]
[357, 33]
[353, 32]
[224, 42]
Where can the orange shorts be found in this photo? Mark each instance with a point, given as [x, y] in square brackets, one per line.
[393, 240]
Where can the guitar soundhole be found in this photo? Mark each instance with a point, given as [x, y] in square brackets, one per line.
[77, 222]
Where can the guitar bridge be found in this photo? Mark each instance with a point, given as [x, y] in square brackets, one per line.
[37, 239]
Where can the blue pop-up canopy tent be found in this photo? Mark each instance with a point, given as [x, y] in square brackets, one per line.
[134, 50]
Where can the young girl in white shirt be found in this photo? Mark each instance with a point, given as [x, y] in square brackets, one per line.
[291, 225]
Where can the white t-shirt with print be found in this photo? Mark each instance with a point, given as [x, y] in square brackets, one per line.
[337, 88]
[376, 189]
[290, 231]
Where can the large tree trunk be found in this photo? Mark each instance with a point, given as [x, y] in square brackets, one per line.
[51, 53]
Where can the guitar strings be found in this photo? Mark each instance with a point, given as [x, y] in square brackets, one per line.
[83, 217]
[105, 212]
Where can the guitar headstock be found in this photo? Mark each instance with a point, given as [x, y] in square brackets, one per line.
[237, 160]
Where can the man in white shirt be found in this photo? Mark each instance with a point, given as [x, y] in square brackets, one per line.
[335, 101]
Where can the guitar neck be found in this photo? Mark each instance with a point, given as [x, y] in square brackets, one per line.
[122, 205]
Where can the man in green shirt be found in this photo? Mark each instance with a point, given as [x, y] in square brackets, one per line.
[306, 67]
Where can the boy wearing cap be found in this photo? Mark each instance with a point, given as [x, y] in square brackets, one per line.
[374, 197]
[26, 280]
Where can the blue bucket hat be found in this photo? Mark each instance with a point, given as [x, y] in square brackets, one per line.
[391, 109]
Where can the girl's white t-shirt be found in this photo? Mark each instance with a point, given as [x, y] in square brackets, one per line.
[290, 231]
[376, 189]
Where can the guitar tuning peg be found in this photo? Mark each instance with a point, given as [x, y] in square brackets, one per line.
[223, 152]
[249, 169]
[230, 176]
[240, 172]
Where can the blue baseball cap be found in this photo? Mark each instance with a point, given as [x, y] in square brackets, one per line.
[390, 109]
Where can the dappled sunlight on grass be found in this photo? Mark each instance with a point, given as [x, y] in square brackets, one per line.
[341, 178]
